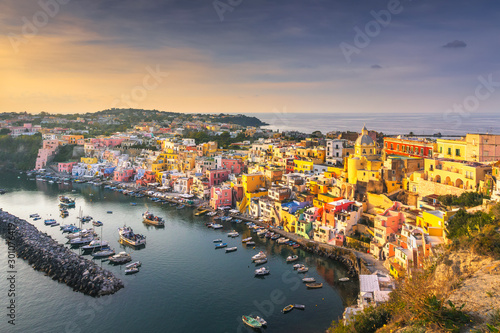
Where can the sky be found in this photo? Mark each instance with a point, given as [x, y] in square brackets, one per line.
[250, 56]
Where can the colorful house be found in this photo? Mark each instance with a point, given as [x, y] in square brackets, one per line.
[220, 197]
[66, 167]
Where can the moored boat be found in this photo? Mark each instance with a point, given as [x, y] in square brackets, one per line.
[249, 321]
[127, 236]
[302, 269]
[218, 240]
[217, 226]
[261, 271]
[260, 255]
[299, 306]
[288, 308]
[96, 244]
[103, 253]
[150, 218]
[308, 280]
[314, 285]
[260, 320]
[250, 243]
[244, 240]
[120, 258]
[97, 223]
[231, 249]
[297, 266]
[134, 264]
[344, 279]
[131, 270]
[233, 234]
[292, 258]
[260, 261]
[220, 245]
[49, 222]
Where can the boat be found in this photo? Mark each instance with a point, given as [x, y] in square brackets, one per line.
[109, 212]
[217, 226]
[218, 240]
[288, 308]
[37, 218]
[231, 249]
[34, 215]
[131, 270]
[260, 320]
[86, 219]
[308, 280]
[81, 240]
[133, 204]
[292, 258]
[275, 237]
[299, 306]
[314, 285]
[120, 258]
[302, 269]
[269, 234]
[282, 240]
[261, 271]
[297, 266]
[152, 219]
[250, 243]
[66, 201]
[49, 222]
[295, 246]
[134, 264]
[220, 245]
[201, 212]
[64, 213]
[211, 213]
[97, 223]
[344, 279]
[244, 240]
[260, 261]
[103, 253]
[260, 255]
[233, 234]
[96, 244]
[128, 237]
[252, 322]
[81, 233]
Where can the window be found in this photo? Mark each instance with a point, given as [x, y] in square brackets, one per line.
[421, 151]
[457, 152]
[392, 147]
[449, 151]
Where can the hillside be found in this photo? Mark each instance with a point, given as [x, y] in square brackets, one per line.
[19, 153]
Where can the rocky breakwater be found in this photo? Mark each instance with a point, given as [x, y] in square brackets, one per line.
[44, 254]
[345, 257]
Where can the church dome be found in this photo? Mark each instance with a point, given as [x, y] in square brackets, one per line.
[364, 139]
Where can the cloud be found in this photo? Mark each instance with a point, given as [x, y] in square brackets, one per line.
[455, 44]
[376, 66]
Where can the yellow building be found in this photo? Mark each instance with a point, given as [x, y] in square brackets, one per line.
[166, 161]
[89, 160]
[434, 222]
[317, 155]
[365, 163]
[464, 175]
[455, 149]
[303, 166]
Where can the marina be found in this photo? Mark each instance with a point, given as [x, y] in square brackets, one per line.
[175, 258]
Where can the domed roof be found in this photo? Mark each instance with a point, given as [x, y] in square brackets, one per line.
[364, 139]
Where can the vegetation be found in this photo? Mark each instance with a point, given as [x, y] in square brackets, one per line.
[466, 199]
[64, 153]
[19, 153]
[223, 140]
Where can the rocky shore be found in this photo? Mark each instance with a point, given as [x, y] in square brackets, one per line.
[59, 263]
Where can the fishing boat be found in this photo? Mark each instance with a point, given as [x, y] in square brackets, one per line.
[261, 271]
[244, 240]
[288, 308]
[49, 222]
[81, 240]
[103, 253]
[344, 279]
[66, 201]
[128, 237]
[97, 223]
[220, 245]
[260, 255]
[134, 264]
[292, 258]
[251, 243]
[131, 270]
[314, 285]
[96, 244]
[231, 249]
[260, 320]
[150, 218]
[218, 240]
[233, 234]
[252, 322]
[308, 280]
[302, 269]
[120, 258]
[299, 306]
[260, 261]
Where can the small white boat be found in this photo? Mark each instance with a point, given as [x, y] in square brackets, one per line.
[308, 280]
[261, 271]
[218, 240]
[233, 234]
[282, 240]
[131, 270]
[231, 249]
[292, 258]
[344, 279]
[260, 320]
[217, 226]
[134, 264]
[302, 269]
[250, 243]
[260, 261]
[297, 266]
[244, 240]
[260, 255]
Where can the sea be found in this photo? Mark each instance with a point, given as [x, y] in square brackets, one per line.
[184, 284]
[427, 124]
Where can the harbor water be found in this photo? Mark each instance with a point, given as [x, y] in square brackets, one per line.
[184, 284]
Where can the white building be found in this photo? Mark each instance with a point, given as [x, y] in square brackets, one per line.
[334, 151]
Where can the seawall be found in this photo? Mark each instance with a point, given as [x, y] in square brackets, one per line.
[59, 263]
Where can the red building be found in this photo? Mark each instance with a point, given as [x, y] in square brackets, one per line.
[289, 165]
[217, 176]
[408, 147]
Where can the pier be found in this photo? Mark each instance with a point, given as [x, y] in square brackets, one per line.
[58, 262]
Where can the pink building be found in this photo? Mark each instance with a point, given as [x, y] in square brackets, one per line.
[124, 175]
[232, 165]
[217, 176]
[48, 149]
[220, 197]
[388, 223]
[66, 167]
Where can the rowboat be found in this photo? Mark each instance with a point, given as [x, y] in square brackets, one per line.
[253, 323]
[288, 308]
[299, 306]
[244, 240]
[314, 285]
[134, 264]
[302, 269]
[131, 270]
[292, 258]
[308, 279]
[231, 249]
[220, 245]
[250, 243]
[260, 261]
